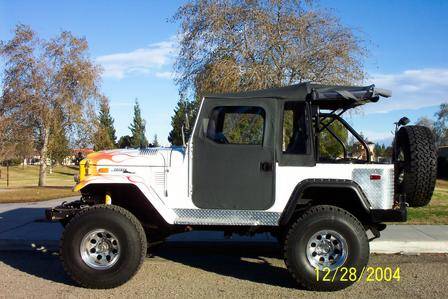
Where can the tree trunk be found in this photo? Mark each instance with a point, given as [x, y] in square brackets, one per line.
[51, 165]
[7, 174]
[43, 159]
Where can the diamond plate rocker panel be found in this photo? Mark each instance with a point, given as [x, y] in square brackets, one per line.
[226, 217]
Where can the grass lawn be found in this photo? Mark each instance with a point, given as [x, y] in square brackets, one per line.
[23, 184]
[437, 210]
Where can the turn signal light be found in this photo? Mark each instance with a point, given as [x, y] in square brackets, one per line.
[375, 177]
[103, 170]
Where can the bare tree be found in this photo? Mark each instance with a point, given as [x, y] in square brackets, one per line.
[47, 81]
[441, 125]
[236, 45]
[239, 45]
[426, 122]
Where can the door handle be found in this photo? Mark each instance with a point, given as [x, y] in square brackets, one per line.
[266, 166]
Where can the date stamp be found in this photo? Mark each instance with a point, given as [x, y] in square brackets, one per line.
[352, 274]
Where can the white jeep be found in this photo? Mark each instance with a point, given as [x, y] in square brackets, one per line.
[252, 165]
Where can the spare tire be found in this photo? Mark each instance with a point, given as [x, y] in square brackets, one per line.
[416, 164]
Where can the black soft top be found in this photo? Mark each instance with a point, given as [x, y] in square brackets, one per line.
[324, 96]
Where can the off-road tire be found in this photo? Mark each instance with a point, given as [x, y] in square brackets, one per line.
[415, 176]
[129, 234]
[317, 218]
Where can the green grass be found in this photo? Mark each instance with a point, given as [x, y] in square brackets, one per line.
[28, 176]
[437, 210]
[23, 184]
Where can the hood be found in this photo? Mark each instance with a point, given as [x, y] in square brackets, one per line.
[157, 156]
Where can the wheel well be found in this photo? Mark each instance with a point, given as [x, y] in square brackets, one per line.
[343, 197]
[129, 197]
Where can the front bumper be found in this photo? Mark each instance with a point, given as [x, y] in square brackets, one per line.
[64, 211]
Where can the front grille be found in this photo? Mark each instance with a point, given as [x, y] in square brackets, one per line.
[159, 178]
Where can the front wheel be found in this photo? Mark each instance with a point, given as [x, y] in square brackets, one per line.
[103, 247]
[326, 242]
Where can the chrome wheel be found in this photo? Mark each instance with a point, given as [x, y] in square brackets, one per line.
[327, 249]
[100, 249]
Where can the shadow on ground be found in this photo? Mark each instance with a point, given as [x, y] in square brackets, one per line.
[250, 261]
[39, 263]
[245, 261]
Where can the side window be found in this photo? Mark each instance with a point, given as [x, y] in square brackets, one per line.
[295, 137]
[237, 125]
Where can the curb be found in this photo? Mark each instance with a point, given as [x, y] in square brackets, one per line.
[408, 247]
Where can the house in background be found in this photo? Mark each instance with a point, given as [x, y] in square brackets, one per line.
[359, 152]
[77, 154]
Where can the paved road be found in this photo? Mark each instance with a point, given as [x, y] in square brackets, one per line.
[206, 270]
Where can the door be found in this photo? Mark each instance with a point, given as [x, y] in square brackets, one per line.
[233, 155]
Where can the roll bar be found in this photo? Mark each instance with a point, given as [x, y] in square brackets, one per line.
[338, 117]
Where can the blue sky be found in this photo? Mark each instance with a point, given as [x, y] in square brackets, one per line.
[132, 40]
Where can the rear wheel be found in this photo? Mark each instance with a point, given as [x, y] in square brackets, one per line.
[325, 240]
[103, 247]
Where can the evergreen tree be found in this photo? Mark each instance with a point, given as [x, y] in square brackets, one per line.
[106, 120]
[183, 109]
[124, 141]
[329, 147]
[58, 147]
[138, 138]
[105, 137]
[58, 144]
[155, 141]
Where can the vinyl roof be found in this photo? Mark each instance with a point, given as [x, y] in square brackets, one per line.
[324, 96]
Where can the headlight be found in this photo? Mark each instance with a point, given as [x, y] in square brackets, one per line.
[83, 169]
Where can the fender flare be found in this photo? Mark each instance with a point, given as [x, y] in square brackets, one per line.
[297, 199]
[150, 195]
